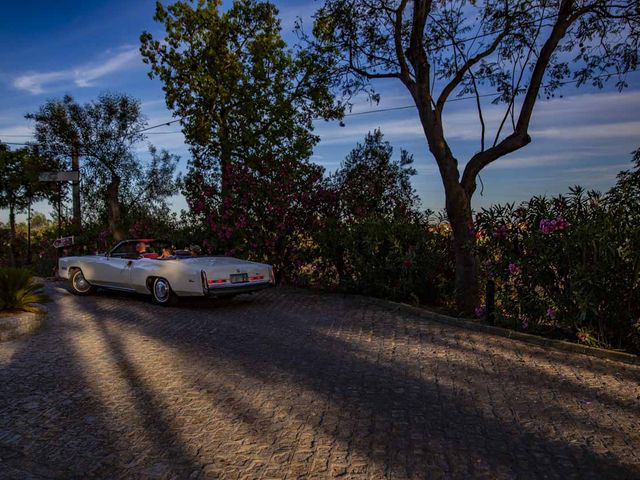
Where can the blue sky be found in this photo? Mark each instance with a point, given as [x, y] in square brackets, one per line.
[84, 48]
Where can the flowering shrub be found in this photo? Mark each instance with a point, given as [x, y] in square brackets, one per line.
[549, 226]
[568, 265]
[265, 212]
[374, 239]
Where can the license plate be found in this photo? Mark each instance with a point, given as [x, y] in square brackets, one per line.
[239, 277]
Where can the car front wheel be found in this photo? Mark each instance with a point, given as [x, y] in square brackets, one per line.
[79, 285]
[162, 293]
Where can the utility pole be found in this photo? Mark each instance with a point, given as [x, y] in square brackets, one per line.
[29, 231]
[75, 185]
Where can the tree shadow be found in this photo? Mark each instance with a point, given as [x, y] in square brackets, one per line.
[51, 423]
[525, 365]
[408, 419]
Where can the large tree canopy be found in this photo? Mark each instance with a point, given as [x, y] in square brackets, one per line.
[440, 50]
[370, 183]
[246, 105]
[240, 93]
[105, 133]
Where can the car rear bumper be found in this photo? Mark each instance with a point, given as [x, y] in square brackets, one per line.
[235, 289]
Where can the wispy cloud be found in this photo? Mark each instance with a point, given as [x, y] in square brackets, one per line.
[593, 116]
[81, 76]
[590, 132]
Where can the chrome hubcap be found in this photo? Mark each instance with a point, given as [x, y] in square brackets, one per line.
[80, 283]
[161, 290]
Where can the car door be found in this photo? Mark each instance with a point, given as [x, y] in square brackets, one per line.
[115, 272]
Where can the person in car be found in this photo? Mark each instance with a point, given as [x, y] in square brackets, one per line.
[141, 249]
[166, 253]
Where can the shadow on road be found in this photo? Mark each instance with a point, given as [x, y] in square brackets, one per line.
[375, 391]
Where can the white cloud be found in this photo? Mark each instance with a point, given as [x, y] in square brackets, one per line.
[24, 131]
[34, 82]
[590, 132]
[593, 116]
[81, 76]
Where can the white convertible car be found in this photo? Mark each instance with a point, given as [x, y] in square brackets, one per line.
[136, 266]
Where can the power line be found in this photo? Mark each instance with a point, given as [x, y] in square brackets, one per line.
[164, 124]
[366, 112]
[487, 34]
[470, 97]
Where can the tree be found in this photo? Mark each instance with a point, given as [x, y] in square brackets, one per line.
[369, 182]
[519, 50]
[372, 197]
[246, 105]
[19, 185]
[105, 132]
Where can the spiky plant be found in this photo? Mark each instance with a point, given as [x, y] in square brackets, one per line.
[18, 291]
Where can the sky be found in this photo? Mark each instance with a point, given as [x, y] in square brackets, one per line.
[85, 48]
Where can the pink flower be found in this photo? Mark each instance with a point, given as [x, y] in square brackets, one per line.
[548, 225]
[479, 311]
[525, 324]
[552, 313]
[514, 268]
[199, 206]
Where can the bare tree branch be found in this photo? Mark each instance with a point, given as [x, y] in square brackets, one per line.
[520, 137]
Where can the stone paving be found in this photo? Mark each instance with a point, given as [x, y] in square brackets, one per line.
[294, 384]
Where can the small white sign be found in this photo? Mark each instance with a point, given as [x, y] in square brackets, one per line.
[63, 242]
[72, 176]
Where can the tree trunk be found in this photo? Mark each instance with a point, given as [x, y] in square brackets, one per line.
[113, 208]
[12, 235]
[467, 288]
[75, 189]
[458, 205]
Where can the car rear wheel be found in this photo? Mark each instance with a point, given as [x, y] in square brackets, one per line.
[79, 285]
[162, 293]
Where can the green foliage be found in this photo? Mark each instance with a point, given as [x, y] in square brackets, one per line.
[241, 94]
[369, 182]
[247, 105]
[19, 186]
[18, 291]
[375, 240]
[442, 51]
[570, 263]
[399, 258]
[104, 133]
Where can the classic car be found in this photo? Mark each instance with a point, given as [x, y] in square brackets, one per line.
[136, 266]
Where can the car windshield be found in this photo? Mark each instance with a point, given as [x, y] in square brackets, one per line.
[128, 249]
[153, 250]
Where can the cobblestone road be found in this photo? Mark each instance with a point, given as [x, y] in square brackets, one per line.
[292, 384]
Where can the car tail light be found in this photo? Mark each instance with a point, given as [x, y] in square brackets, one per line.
[203, 277]
[256, 277]
[217, 281]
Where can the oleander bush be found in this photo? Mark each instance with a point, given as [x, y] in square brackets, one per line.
[374, 238]
[399, 258]
[19, 291]
[568, 265]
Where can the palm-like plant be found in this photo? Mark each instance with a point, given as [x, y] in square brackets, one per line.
[18, 291]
